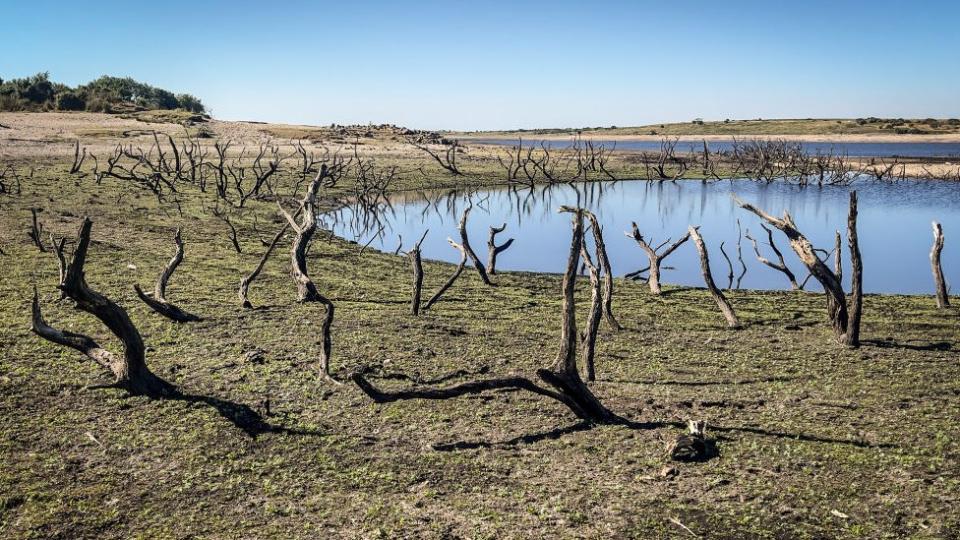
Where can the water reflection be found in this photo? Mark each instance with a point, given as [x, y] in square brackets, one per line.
[894, 224]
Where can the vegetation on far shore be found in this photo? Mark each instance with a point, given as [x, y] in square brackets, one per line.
[105, 94]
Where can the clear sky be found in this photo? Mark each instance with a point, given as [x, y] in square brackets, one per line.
[509, 64]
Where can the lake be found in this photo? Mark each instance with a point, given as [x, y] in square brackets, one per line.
[894, 226]
[859, 149]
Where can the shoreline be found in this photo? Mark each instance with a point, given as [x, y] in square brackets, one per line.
[826, 138]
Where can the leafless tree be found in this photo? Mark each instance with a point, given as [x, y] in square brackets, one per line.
[224, 215]
[563, 378]
[465, 242]
[943, 300]
[493, 250]
[130, 370]
[417, 262]
[249, 278]
[79, 155]
[836, 299]
[36, 231]
[725, 308]
[449, 158]
[159, 302]
[780, 265]
[654, 254]
[453, 277]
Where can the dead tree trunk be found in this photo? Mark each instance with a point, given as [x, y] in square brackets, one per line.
[721, 300]
[61, 261]
[569, 388]
[305, 229]
[836, 300]
[78, 158]
[417, 262]
[856, 275]
[159, 301]
[493, 250]
[36, 231]
[838, 256]
[465, 242]
[655, 258]
[781, 264]
[248, 279]
[603, 262]
[130, 370]
[943, 301]
[463, 263]
[589, 337]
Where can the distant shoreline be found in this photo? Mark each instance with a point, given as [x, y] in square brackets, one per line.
[827, 138]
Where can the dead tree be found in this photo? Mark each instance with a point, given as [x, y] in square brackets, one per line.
[463, 263]
[838, 257]
[417, 262]
[652, 254]
[588, 337]
[836, 299]
[307, 291]
[780, 265]
[130, 370]
[61, 261]
[248, 279]
[563, 378]
[449, 159]
[465, 242]
[159, 301]
[36, 231]
[224, 216]
[943, 300]
[493, 250]
[603, 262]
[719, 298]
[856, 275]
[729, 267]
[78, 158]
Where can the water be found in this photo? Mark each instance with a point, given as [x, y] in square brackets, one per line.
[858, 149]
[894, 226]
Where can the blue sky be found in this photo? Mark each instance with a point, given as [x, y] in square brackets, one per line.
[484, 65]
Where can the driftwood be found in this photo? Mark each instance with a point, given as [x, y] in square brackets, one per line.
[456, 273]
[417, 262]
[465, 242]
[725, 308]
[248, 279]
[129, 370]
[563, 378]
[493, 250]
[943, 300]
[652, 254]
[159, 301]
[588, 337]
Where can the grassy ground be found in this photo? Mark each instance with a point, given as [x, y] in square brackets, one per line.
[815, 441]
[748, 128]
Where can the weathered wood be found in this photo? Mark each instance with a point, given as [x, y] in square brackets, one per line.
[836, 299]
[588, 339]
[159, 302]
[838, 256]
[606, 270]
[725, 308]
[493, 250]
[780, 265]
[856, 275]
[36, 231]
[652, 253]
[249, 278]
[130, 370]
[417, 262]
[465, 242]
[463, 263]
[943, 300]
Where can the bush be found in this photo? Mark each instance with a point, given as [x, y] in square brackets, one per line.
[70, 101]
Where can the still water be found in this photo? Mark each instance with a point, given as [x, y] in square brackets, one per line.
[894, 227]
[858, 149]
